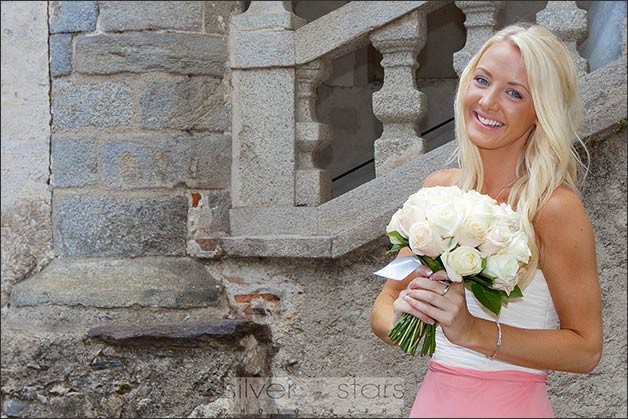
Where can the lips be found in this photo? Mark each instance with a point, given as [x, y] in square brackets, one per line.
[486, 122]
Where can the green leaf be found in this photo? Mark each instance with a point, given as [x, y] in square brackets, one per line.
[433, 263]
[395, 248]
[489, 298]
[398, 236]
[516, 292]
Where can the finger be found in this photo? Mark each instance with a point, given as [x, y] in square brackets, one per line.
[411, 309]
[423, 271]
[426, 312]
[440, 276]
[427, 284]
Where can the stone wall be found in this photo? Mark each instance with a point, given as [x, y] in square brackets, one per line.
[141, 121]
[26, 195]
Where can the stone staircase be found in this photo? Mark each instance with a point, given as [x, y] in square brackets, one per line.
[357, 217]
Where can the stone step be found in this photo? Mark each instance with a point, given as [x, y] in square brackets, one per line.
[163, 282]
[158, 370]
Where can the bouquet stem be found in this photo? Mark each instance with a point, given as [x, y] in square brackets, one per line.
[409, 330]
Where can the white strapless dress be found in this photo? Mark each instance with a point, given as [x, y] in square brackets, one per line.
[535, 310]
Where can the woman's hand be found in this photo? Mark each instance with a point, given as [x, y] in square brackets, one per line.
[402, 305]
[445, 302]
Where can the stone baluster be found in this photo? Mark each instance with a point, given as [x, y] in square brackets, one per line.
[313, 185]
[570, 24]
[480, 23]
[262, 61]
[399, 105]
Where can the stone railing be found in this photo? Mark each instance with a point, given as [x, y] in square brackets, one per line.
[281, 198]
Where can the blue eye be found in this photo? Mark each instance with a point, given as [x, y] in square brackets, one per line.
[514, 94]
[481, 80]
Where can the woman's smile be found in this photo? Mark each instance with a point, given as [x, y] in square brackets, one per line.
[486, 122]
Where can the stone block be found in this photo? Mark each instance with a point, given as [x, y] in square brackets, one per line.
[198, 161]
[218, 14]
[60, 54]
[117, 282]
[263, 138]
[210, 162]
[136, 165]
[138, 52]
[72, 16]
[139, 15]
[208, 214]
[114, 225]
[99, 105]
[73, 162]
[249, 221]
[190, 103]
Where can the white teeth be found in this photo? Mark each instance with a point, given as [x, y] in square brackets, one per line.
[489, 122]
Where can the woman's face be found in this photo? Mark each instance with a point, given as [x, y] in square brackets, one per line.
[497, 104]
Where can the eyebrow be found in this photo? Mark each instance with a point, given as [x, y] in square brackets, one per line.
[514, 83]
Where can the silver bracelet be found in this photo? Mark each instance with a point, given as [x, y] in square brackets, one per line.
[499, 340]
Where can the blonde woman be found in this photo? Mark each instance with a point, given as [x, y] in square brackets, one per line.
[517, 114]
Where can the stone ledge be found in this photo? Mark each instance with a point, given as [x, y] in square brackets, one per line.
[227, 331]
[277, 246]
[166, 282]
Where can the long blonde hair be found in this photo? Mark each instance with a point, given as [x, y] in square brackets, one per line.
[549, 158]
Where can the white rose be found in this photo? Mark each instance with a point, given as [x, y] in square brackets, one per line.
[518, 247]
[475, 226]
[462, 261]
[419, 198]
[445, 217]
[505, 214]
[445, 193]
[504, 268]
[476, 197]
[409, 215]
[425, 241]
[393, 225]
[498, 237]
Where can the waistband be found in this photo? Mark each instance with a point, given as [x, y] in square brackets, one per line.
[504, 375]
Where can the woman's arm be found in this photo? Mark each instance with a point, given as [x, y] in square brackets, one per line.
[384, 312]
[569, 264]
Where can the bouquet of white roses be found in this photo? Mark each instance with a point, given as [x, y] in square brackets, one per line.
[472, 237]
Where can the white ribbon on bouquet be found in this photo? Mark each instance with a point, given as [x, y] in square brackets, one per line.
[399, 268]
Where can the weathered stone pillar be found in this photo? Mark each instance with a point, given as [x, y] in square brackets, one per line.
[570, 24]
[480, 23]
[399, 105]
[261, 56]
[313, 185]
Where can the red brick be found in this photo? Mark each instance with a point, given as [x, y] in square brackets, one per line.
[246, 298]
[196, 197]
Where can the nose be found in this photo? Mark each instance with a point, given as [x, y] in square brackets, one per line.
[489, 100]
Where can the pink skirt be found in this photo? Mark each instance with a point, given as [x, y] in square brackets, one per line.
[454, 392]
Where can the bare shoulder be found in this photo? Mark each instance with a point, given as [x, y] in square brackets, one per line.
[446, 177]
[563, 206]
[563, 223]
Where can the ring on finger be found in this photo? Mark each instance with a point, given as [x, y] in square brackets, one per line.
[445, 291]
